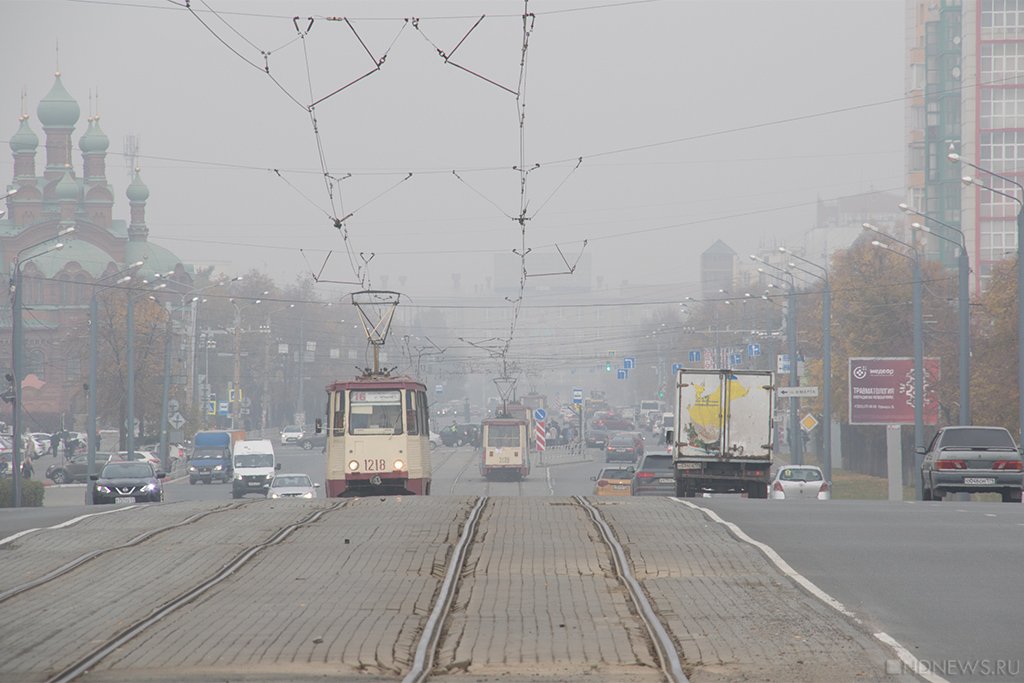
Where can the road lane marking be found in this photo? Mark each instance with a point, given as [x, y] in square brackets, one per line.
[551, 485]
[905, 656]
[62, 525]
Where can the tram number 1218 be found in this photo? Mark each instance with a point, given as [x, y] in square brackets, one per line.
[374, 464]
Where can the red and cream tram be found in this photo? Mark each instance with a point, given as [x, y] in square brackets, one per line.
[378, 437]
[506, 447]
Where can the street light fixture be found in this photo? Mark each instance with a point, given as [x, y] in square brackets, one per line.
[963, 304]
[826, 359]
[236, 400]
[17, 341]
[954, 157]
[918, 351]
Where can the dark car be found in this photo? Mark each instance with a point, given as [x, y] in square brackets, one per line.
[127, 482]
[655, 476]
[623, 446]
[617, 424]
[972, 460]
[311, 441]
[596, 437]
[74, 469]
[460, 435]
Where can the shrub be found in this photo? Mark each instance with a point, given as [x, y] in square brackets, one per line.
[31, 493]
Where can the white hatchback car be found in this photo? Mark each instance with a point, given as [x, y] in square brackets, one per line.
[800, 481]
[291, 434]
[292, 486]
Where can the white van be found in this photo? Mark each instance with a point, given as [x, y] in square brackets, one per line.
[254, 465]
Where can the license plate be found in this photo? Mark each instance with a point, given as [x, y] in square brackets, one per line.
[688, 465]
[979, 481]
[665, 480]
[124, 500]
[620, 487]
[255, 483]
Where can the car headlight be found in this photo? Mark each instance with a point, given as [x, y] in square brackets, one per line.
[399, 464]
[275, 495]
[102, 489]
[308, 494]
[238, 476]
[353, 465]
[218, 468]
[150, 487]
[192, 468]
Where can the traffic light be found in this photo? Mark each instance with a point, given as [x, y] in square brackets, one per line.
[608, 366]
[661, 394]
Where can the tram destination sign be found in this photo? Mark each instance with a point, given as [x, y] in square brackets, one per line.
[376, 397]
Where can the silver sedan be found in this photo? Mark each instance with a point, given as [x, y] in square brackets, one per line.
[800, 481]
[292, 486]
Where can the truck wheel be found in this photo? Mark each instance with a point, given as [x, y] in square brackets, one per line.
[1011, 495]
[758, 491]
[235, 494]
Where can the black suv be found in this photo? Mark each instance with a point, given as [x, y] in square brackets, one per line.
[127, 482]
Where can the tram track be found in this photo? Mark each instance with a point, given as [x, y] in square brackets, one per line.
[668, 657]
[71, 565]
[86, 662]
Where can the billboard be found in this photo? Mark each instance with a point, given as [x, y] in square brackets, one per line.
[882, 391]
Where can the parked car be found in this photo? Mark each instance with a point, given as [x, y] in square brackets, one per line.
[292, 486]
[127, 482]
[613, 481]
[628, 446]
[972, 460]
[291, 434]
[143, 455]
[42, 442]
[311, 441]
[76, 469]
[800, 481]
[654, 476]
[435, 440]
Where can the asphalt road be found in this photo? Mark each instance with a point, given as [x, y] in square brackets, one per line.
[942, 578]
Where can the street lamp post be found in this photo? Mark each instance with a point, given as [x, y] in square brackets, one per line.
[17, 341]
[918, 353]
[954, 157]
[236, 400]
[963, 304]
[795, 438]
[122, 278]
[826, 358]
[130, 393]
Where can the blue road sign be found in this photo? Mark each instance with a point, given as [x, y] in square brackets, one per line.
[694, 356]
[676, 367]
[735, 359]
[211, 407]
[577, 396]
[222, 408]
[540, 415]
[753, 350]
[621, 373]
[629, 363]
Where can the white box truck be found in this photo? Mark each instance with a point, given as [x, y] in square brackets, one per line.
[723, 437]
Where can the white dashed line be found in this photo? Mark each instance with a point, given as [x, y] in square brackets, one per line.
[65, 524]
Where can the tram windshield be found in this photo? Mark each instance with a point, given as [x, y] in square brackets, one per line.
[501, 436]
[375, 412]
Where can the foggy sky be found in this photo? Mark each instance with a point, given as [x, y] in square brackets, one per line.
[597, 81]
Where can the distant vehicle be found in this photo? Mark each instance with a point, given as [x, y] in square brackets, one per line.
[127, 482]
[596, 437]
[140, 456]
[292, 486]
[800, 481]
[723, 443]
[291, 434]
[310, 441]
[253, 464]
[461, 435]
[627, 446]
[614, 481]
[435, 440]
[972, 460]
[76, 469]
[507, 446]
[654, 476]
[210, 459]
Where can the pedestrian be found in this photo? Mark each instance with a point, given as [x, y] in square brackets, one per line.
[97, 441]
[4, 466]
[72, 444]
[26, 468]
[30, 446]
[54, 443]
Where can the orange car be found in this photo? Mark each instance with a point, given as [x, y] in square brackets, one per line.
[613, 481]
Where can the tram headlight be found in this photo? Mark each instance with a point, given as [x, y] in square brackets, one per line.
[354, 465]
[399, 464]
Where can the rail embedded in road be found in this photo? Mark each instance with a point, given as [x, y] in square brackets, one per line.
[670, 662]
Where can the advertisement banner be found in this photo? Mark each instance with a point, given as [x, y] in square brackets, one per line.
[882, 391]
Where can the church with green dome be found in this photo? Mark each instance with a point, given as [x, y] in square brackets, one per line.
[58, 286]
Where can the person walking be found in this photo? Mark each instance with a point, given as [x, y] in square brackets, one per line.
[54, 443]
[26, 468]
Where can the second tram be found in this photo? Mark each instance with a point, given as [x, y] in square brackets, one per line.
[506, 443]
[378, 437]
